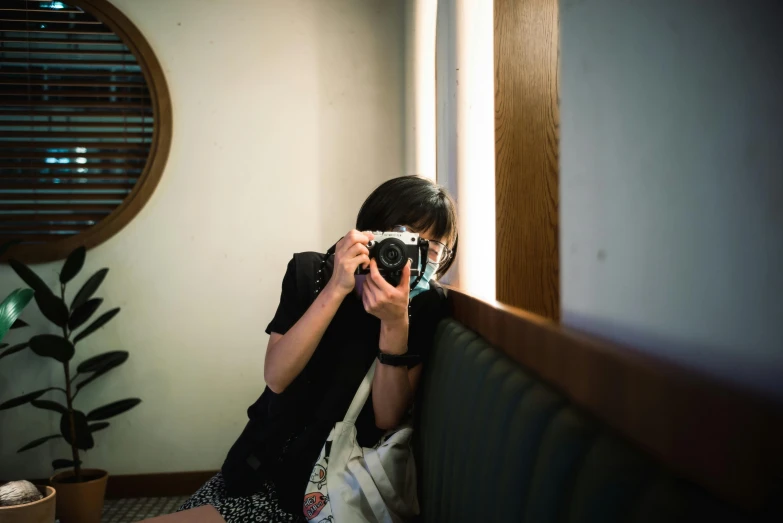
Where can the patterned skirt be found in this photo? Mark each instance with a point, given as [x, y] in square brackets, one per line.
[261, 507]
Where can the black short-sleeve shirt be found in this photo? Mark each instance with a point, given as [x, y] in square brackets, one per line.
[292, 305]
[298, 293]
[290, 428]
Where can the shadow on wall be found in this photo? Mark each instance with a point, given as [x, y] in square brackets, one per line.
[672, 181]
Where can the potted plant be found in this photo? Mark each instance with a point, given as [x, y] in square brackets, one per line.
[21, 501]
[80, 491]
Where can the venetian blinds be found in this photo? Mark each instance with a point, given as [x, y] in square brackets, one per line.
[76, 120]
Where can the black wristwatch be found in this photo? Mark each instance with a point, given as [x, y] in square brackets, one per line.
[398, 360]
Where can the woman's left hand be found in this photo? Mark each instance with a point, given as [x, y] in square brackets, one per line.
[384, 301]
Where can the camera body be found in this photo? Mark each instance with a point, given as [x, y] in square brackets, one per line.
[392, 250]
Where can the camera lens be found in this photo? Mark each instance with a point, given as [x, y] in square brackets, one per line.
[391, 254]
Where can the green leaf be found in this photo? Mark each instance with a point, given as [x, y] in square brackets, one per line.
[95, 427]
[84, 439]
[52, 346]
[73, 264]
[102, 320]
[29, 277]
[39, 441]
[19, 323]
[7, 245]
[92, 378]
[83, 313]
[89, 288]
[21, 400]
[49, 405]
[12, 307]
[101, 361]
[64, 463]
[112, 409]
[100, 365]
[14, 350]
[52, 307]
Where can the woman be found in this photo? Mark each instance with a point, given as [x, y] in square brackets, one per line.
[329, 327]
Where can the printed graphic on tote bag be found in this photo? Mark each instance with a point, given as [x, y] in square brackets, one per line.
[316, 499]
[318, 476]
[314, 503]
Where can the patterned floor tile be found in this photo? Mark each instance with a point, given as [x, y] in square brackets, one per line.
[132, 510]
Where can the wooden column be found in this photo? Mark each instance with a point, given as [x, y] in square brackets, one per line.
[526, 154]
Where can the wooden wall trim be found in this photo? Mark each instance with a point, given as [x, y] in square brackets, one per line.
[156, 485]
[724, 438]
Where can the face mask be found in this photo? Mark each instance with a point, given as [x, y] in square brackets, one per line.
[424, 282]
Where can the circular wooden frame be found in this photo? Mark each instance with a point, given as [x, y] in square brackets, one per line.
[159, 148]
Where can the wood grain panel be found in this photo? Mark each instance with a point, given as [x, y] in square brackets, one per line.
[724, 438]
[526, 154]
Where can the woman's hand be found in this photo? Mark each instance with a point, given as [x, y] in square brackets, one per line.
[351, 252]
[385, 302]
[392, 387]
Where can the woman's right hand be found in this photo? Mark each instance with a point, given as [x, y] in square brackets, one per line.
[351, 252]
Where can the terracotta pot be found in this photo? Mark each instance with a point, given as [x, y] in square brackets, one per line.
[80, 502]
[41, 511]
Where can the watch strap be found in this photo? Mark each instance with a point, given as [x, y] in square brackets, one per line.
[399, 360]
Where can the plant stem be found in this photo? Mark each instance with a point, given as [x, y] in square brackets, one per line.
[77, 469]
[74, 451]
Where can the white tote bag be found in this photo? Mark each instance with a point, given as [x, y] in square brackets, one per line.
[352, 484]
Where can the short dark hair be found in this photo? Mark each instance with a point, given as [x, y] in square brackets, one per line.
[414, 201]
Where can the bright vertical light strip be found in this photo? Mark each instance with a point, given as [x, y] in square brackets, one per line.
[425, 86]
[420, 20]
[445, 98]
[475, 145]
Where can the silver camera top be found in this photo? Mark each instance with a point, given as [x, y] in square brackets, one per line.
[408, 238]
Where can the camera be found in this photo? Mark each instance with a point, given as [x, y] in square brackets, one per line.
[391, 251]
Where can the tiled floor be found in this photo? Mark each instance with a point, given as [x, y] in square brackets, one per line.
[132, 510]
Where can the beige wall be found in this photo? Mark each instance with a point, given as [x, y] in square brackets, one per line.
[286, 115]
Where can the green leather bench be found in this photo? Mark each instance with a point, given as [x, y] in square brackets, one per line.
[497, 444]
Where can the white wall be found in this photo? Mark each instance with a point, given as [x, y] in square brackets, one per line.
[672, 180]
[286, 115]
[466, 135]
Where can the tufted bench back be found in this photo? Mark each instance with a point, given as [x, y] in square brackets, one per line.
[497, 444]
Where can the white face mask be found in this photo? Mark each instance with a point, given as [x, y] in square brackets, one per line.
[424, 282]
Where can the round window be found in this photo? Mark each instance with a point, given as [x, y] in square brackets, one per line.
[85, 125]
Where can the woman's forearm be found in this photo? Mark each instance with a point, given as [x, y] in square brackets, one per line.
[392, 386]
[287, 356]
